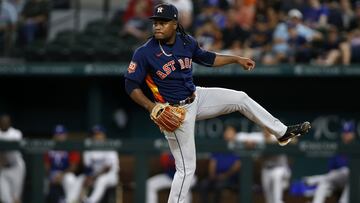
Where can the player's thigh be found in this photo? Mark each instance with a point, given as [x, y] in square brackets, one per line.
[265, 178]
[338, 177]
[213, 102]
[18, 175]
[5, 188]
[106, 180]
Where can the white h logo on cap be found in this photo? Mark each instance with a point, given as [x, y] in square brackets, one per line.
[160, 10]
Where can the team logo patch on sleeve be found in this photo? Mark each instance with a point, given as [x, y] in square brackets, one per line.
[132, 67]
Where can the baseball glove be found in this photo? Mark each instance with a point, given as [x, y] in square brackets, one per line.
[168, 118]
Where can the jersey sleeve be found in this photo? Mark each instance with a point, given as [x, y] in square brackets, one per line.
[137, 69]
[201, 56]
[113, 162]
[17, 135]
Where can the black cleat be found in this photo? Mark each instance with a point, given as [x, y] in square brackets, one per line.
[294, 131]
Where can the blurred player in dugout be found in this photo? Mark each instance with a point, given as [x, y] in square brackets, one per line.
[61, 167]
[223, 171]
[275, 169]
[12, 165]
[337, 177]
[163, 180]
[101, 169]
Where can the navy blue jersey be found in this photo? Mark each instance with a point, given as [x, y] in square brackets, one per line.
[61, 160]
[224, 161]
[168, 77]
[338, 161]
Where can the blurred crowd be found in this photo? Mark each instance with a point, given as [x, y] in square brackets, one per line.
[22, 22]
[319, 32]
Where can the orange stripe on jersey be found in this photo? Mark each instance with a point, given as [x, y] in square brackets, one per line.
[154, 89]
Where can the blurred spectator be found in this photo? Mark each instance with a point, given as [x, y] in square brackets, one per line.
[237, 48]
[355, 45]
[270, 10]
[34, 21]
[347, 13]
[316, 14]
[275, 173]
[210, 11]
[138, 25]
[334, 49]
[102, 168]
[8, 20]
[61, 167]
[354, 35]
[286, 6]
[281, 36]
[299, 49]
[163, 180]
[223, 171]
[12, 165]
[232, 31]
[246, 13]
[355, 21]
[209, 36]
[338, 175]
[130, 11]
[185, 9]
[260, 38]
[340, 14]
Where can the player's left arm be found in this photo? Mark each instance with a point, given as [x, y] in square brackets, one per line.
[225, 59]
[212, 59]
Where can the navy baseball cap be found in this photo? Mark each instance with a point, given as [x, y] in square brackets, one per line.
[59, 129]
[348, 127]
[98, 129]
[165, 12]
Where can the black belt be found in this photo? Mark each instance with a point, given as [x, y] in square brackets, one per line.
[188, 100]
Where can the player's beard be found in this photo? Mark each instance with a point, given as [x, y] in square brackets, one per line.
[161, 37]
[165, 39]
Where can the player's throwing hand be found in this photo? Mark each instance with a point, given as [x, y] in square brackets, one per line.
[246, 63]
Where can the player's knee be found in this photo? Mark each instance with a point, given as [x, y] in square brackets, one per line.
[190, 172]
[189, 165]
[241, 96]
[191, 168]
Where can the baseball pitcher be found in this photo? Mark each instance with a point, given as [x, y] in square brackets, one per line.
[164, 63]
